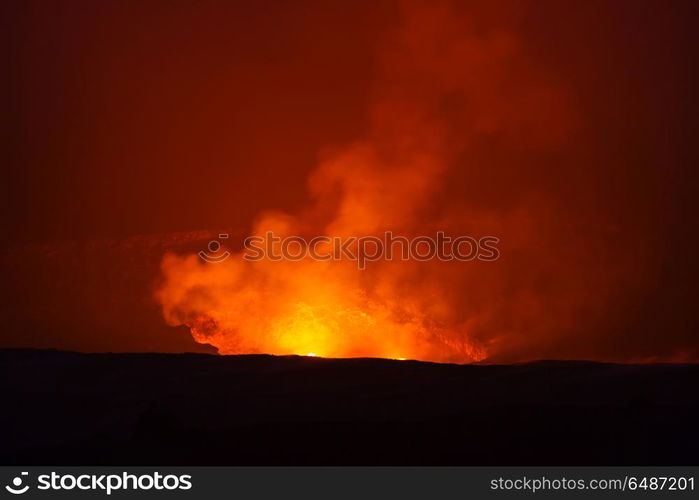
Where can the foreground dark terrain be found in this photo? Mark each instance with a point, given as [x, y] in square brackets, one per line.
[70, 408]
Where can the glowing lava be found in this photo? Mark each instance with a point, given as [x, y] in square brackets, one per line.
[441, 86]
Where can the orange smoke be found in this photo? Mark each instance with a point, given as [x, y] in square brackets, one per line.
[443, 86]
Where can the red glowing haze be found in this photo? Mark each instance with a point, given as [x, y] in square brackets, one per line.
[561, 128]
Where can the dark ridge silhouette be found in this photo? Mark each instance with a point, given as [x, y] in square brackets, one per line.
[198, 409]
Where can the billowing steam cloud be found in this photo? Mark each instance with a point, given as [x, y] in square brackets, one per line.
[460, 112]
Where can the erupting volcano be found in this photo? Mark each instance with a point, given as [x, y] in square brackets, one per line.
[558, 131]
[420, 232]
[443, 88]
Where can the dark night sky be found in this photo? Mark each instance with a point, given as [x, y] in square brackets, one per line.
[132, 117]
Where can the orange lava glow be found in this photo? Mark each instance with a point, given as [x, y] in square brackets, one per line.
[386, 181]
[332, 309]
[310, 308]
[139, 132]
[442, 86]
